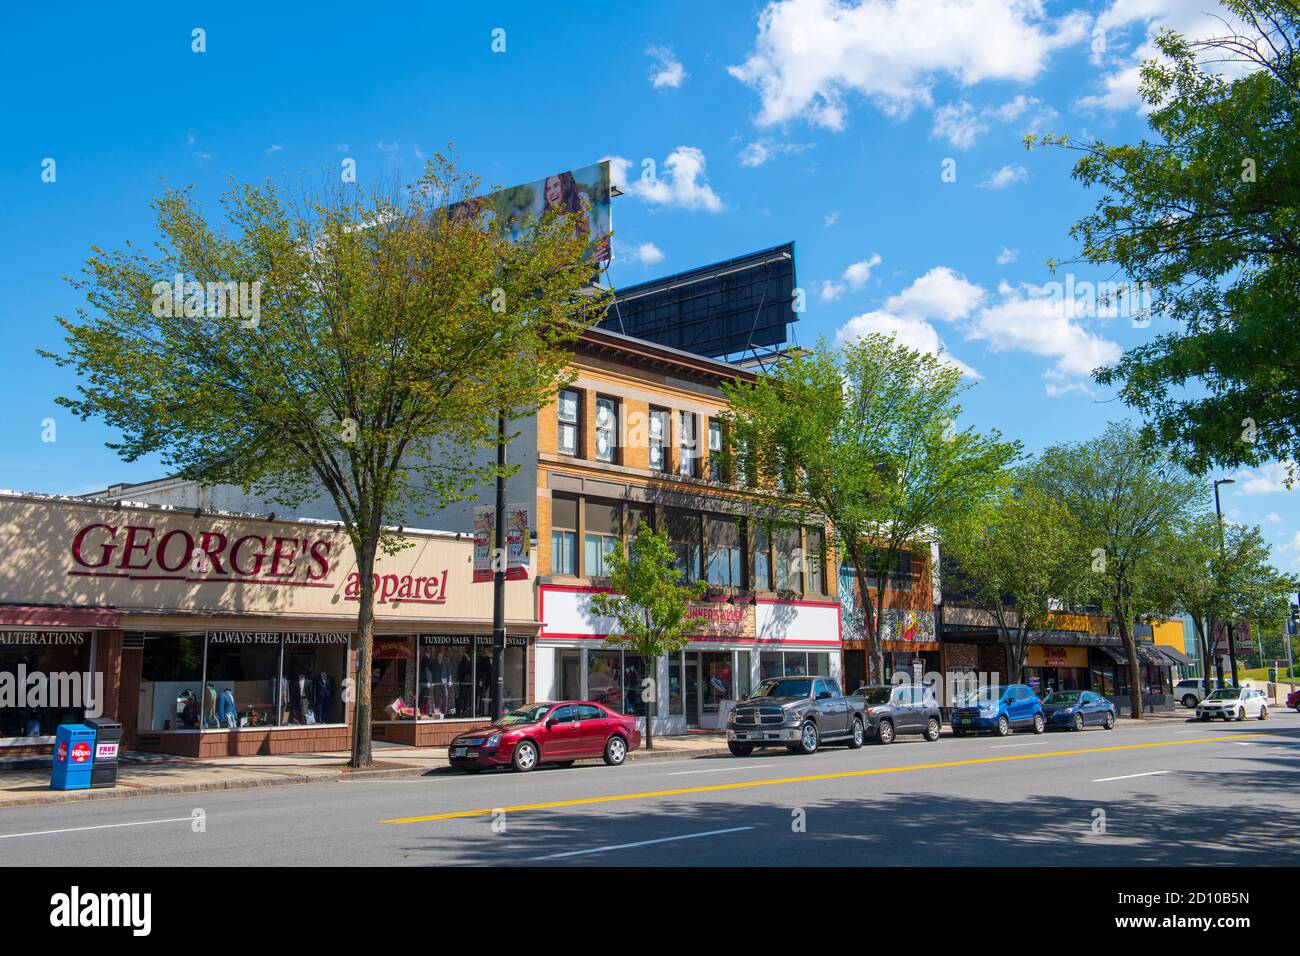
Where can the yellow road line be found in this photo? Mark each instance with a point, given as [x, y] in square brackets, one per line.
[843, 774]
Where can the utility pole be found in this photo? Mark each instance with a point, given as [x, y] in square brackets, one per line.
[500, 562]
[1230, 625]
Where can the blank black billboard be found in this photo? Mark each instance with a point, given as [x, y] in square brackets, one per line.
[715, 310]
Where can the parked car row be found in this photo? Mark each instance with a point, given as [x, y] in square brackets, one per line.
[804, 713]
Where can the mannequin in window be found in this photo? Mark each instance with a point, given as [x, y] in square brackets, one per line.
[323, 697]
[299, 699]
[227, 714]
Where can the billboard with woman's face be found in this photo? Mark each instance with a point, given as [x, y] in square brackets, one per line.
[584, 191]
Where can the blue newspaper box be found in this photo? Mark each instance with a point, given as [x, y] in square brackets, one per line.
[74, 756]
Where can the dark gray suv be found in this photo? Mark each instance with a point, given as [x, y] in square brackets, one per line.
[905, 709]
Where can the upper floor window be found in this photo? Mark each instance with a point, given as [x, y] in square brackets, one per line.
[658, 439]
[715, 449]
[786, 541]
[602, 535]
[760, 542]
[687, 442]
[725, 561]
[900, 571]
[567, 411]
[606, 429]
[564, 535]
[684, 537]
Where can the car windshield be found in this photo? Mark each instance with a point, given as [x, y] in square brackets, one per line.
[874, 695]
[988, 695]
[1063, 697]
[1225, 694]
[784, 687]
[524, 715]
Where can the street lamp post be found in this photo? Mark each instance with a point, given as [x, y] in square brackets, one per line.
[1232, 642]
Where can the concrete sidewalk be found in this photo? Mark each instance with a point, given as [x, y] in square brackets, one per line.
[148, 775]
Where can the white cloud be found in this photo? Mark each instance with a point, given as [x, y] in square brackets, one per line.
[1272, 518]
[647, 253]
[680, 184]
[388, 147]
[961, 124]
[854, 277]
[831, 219]
[760, 151]
[1004, 177]
[1026, 319]
[914, 333]
[1008, 256]
[1193, 19]
[274, 148]
[668, 70]
[810, 55]
[1269, 479]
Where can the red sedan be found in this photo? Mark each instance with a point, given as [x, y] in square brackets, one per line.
[1293, 699]
[559, 733]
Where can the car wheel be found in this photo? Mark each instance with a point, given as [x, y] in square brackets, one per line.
[1241, 713]
[524, 758]
[1189, 701]
[809, 739]
[1263, 713]
[740, 750]
[1040, 725]
[1110, 721]
[932, 729]
[615, 751]
[1078, 721]
[886, 732]
[858, 736]
[1004, 727]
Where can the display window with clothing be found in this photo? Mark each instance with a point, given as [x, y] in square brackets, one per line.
[234, 680]
[426, 677]
[36, 708]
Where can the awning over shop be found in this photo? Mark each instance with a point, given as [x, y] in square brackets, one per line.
[20, 615]
[1147, 654]
[1175, 655]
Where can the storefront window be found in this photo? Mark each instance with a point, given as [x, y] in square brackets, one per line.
[742, 675]
[820, 664]
[769, 665]
[676, 705]
[244, 686]
[438, 689]
[569, 670]
[633, 675]
[717, 680]
[604, 679]
[392, 677]
[323, 660]
[171, 681]
[63, 686]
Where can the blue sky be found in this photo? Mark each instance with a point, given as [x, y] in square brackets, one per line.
[830, 125]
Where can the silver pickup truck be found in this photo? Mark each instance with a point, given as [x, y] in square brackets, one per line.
[798, 713]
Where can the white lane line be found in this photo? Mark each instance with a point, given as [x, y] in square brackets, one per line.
[1130, 776]
[752, 766]
[628, 846]
[102, 826]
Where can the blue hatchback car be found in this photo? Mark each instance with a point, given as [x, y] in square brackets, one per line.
[1076, 709]
[998, 710]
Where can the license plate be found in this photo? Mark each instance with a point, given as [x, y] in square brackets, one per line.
[458, 751]
[964, 720]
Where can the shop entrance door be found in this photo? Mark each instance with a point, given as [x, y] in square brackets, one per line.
[693, 689]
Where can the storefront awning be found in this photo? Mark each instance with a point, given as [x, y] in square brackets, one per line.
[25, 615]
[1174, 655]
[1147, 654]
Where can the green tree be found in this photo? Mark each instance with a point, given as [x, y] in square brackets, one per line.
[1218, 574]
[867, 437]
[1208, 212]
[384, 338]
[1019, 561]
[648, 606]
[1126, 495]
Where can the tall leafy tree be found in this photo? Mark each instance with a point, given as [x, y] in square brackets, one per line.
[648, 605]
[1207, 210]
[1219, 575]
[1126, 495]
[1019, 561]
[867, 438]
[384, 338]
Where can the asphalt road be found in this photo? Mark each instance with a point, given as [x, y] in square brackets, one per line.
[1172, 793]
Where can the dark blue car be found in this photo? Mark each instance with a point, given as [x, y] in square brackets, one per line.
[1076, 709]
[999, 710]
